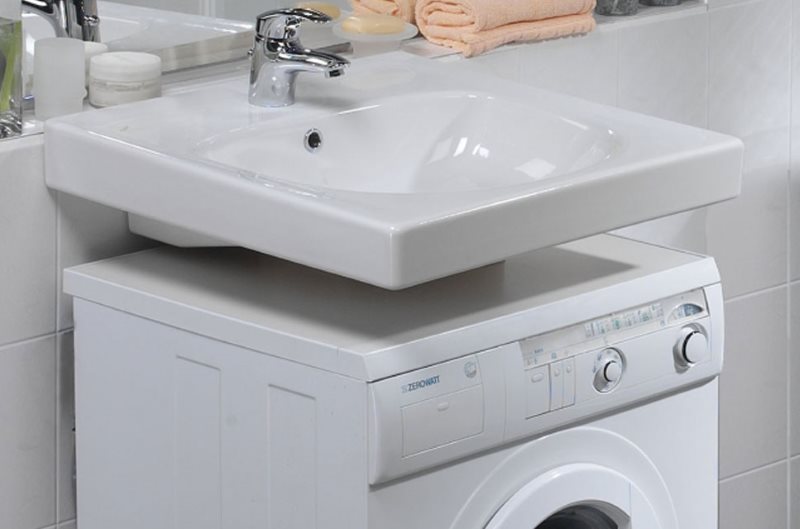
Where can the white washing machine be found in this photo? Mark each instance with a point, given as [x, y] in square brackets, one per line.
[650, 466]
[572, 387]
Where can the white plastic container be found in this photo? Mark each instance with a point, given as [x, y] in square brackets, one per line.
[124, 77]
[92, 50]
[59, 77]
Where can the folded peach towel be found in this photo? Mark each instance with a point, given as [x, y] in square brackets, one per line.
[397, 8]
[477, 26]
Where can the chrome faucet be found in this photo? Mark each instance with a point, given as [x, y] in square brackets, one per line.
[278, 56]
[77, 19]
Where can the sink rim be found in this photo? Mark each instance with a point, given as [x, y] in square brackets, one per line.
[392, 211]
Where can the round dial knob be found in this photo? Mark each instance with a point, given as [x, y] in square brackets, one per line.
[612, 372]
[692, 347]
[609, 368]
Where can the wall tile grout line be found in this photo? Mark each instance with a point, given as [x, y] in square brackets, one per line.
[58, 344]
[748, 472]
[26, 341]
[789, 276]
[59, 420]
[756, 293]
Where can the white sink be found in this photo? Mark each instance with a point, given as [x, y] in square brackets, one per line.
[182, 40]
[425, 169]
[466, 144]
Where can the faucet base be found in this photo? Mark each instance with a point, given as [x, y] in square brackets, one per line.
[273, 89]
[278, 56]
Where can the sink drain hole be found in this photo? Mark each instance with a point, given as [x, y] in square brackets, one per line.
[313, 140]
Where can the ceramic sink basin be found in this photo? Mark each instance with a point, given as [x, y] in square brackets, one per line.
[422, 169]
[466, 144]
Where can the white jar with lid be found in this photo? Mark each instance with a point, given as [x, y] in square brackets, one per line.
[124, 77]
[92, 50]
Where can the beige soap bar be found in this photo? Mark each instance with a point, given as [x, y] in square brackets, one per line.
[331, 10]
[373, 24]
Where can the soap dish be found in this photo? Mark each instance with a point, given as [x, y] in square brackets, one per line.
[368, 44]
[317, 36]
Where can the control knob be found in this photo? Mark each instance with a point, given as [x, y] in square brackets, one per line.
[609, 368]
[692, 347]
[612, 372]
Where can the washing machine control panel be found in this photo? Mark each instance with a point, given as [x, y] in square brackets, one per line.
[551, 361]
[537, 384]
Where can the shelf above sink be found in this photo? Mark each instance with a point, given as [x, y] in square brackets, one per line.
[421, 169]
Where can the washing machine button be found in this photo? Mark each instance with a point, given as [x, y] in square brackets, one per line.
[556, 385]
[569, 382]
[537, 391]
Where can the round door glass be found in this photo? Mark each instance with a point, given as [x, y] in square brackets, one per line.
[580, 517]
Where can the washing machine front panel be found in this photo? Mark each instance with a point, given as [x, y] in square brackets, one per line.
[537, 384]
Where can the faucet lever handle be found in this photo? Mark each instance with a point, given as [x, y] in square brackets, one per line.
[282, 24]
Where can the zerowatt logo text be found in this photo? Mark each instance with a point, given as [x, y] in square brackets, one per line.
[421, 384]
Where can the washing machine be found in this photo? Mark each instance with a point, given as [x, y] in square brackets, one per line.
[648, 466]
[571, 387]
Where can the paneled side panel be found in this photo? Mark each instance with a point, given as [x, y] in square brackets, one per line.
[197, 445]
[178, 431]
[292, 449]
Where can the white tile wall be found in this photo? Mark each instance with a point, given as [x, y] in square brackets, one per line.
[794, 246]
[28, 434]
[753, 429]
[89, 232]
[794, 364]
[27, 261]
[794, 498]
[592, 71]
[677, 89]
[756, 499]
[749, 96]
[65, 423]
[730, 67]
[41, 233]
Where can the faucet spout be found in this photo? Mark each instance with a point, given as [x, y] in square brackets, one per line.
[278, 57]
[77, 19]
[314, 61]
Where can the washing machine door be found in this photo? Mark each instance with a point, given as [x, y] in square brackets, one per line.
[577, 496]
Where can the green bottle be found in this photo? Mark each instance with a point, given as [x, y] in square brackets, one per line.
[10, 68]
